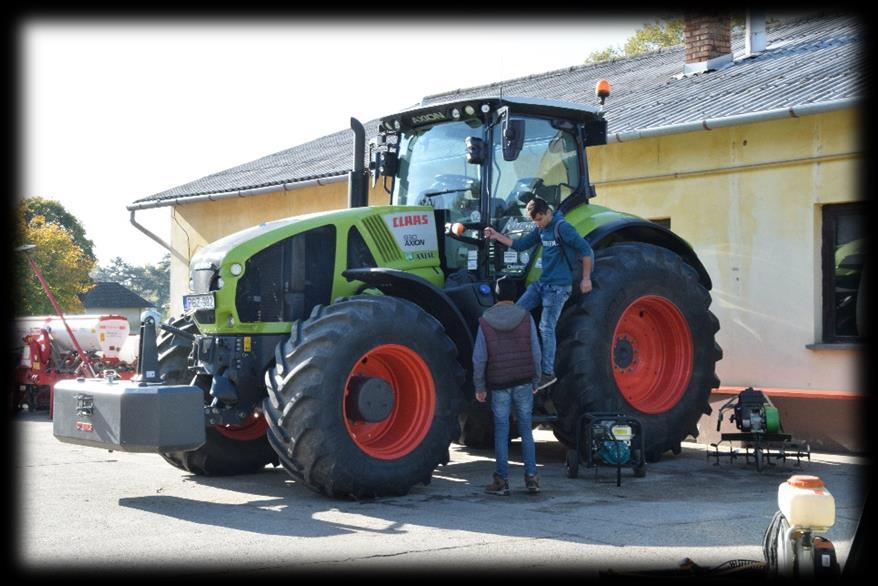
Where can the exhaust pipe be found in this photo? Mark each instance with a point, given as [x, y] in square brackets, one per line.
[358, 195]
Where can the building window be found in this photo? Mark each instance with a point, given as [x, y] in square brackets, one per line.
[663, 222]
[843, 261]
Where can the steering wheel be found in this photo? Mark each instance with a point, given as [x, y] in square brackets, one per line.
[524, 190]
[452, 181]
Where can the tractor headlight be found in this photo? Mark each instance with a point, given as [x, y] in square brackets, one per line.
[469, 110]
[236, 269]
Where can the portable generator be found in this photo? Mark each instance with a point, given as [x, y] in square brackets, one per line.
[608, 439]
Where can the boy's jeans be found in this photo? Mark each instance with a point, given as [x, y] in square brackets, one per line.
[552, 298]
[501, 404]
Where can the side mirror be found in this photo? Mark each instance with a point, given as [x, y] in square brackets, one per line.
[386, 163]
[513, 138]
[475, 150]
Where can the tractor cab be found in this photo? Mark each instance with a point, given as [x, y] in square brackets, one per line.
[477, 163]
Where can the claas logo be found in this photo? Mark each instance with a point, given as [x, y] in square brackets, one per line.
[414, 220]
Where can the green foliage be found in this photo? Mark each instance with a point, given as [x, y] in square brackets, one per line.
[654, 36]
[62, 263]
[55, 213]
[152, 282]
[604, 55]
[663, 32]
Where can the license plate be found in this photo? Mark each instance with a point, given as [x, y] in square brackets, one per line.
[622, 432]
[198, 301]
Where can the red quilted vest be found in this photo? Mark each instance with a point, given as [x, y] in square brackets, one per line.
[510, 360]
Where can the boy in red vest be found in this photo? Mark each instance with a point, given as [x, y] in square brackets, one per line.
[506, 361]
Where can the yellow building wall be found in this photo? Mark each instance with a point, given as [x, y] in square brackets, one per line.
[747, 198]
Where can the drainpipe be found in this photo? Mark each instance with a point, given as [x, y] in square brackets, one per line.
[160, 242]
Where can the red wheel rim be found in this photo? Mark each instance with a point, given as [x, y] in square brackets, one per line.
[652, 354]
[254, 428]
[414, 402]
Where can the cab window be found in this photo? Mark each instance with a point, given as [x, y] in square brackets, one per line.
[548, 166]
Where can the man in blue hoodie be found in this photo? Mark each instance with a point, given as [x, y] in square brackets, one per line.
[555, 283]
[506, 361]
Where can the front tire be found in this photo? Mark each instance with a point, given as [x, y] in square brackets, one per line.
[337, 437]
[640, 343]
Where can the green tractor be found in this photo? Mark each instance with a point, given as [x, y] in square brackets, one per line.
[339, 344]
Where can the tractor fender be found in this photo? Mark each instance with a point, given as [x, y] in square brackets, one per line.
[640, 230]
[424, 294]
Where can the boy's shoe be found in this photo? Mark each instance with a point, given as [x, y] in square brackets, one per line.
[498, 487]
[546, 380]
[532, 483]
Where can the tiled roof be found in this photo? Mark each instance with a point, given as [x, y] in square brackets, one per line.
[807, 60]
[106, 294]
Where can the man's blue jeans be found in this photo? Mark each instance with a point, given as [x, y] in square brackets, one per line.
[552, 298]
[501, 404]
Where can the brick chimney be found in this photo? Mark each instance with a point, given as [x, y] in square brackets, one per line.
[707, 41]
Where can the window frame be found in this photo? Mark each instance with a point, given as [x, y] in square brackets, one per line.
[830, 214]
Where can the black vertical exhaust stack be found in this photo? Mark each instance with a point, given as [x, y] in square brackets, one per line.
[358, 180]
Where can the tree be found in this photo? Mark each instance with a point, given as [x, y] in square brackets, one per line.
[55, 213]
[152, 282]
[661, 33]
[664, 32]
[63, 264]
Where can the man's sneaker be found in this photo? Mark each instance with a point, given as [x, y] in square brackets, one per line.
[532, 483]
[499, 486]
[546, 380]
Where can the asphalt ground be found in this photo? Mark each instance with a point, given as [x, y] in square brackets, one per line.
[80, 509]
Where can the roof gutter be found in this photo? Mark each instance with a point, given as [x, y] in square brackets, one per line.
[705, 124]
[714, 123]
[134, 208]
[173, 201]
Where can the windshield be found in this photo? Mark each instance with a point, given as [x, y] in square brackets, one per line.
[433, 170]
[548, 166]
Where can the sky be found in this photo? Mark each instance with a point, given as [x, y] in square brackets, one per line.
[116, 110]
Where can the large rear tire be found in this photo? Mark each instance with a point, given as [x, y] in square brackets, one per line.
[229, 450]
[640, 343]
[476, 426]
[341, 362]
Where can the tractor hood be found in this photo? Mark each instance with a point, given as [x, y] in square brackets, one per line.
[266, 233]
[262, 277]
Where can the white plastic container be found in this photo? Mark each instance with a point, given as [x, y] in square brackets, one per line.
[805, 502]
[99, 333]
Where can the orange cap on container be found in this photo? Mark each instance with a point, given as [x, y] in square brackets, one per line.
[457, 228]
[805, 481]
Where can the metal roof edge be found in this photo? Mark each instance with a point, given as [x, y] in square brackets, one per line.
[185, 199]
[734, 120]
[704, 124]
